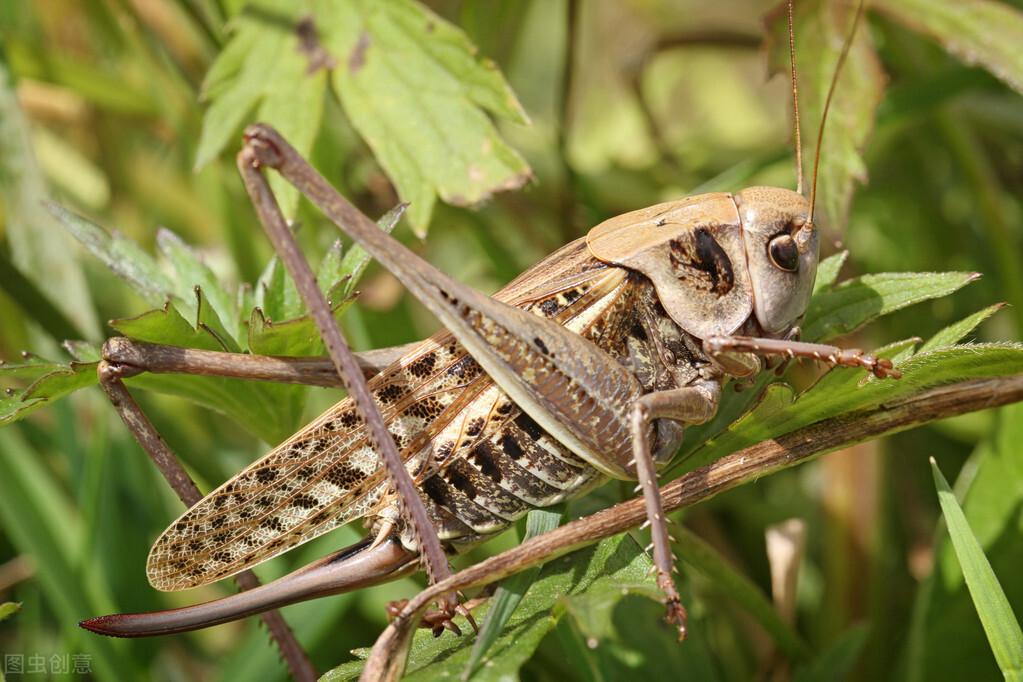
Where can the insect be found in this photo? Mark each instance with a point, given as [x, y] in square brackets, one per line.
[586, 367]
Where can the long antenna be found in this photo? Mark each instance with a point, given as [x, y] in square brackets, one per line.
[795, 101]
[827, 105]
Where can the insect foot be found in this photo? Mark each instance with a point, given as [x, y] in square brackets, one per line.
[436, 620]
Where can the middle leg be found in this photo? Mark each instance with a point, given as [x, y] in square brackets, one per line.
[693, 404]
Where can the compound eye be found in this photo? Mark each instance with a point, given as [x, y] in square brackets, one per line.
[783, 253]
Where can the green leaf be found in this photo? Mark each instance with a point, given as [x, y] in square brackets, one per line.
[947, 641]
[855, 302]
[1000, 624]
[166, 326]
[355, 262]
[330, 271]
[121, 255]
[955, 333]
[821, 29]
[192, 273]
[417, 92]
[844, 390]
[603, 568]
[261, 408]
[8, 609]
[266, 68]
[31, 233]
[277, 294]
[508, 595]
[827, 271]
[49, 382]
[979, 32]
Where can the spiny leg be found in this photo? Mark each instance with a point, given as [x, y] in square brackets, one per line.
[434, 559]
[693, 404]
[162, 359]
[720, 346]
[111, 380]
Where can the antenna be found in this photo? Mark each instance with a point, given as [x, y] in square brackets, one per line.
[795, 100]
[827, 104]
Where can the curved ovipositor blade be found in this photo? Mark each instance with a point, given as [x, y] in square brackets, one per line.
[693, 252]
[352, 568]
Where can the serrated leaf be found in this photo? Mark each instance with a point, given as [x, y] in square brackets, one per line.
[509, 594]
[192, 273]
[606, 566]
[821, 29]
[50, 381]
[855, 302]
[416, 91]
[166, 326]
[82, 351]
[979, 32]
[842, 390]
[208, 320]
[827, 271]
[276, 293]
[355, 262]
[263, 409]
[121, 255]
[330, 273]
[1000, 623]
[954, 333]
[266, 69]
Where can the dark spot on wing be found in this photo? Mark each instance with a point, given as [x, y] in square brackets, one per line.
[390, 393]
[511, 446]
[304, 501]
[485, 457]
[422, 367]
[436, 489]
[529, 425]
[462, 483]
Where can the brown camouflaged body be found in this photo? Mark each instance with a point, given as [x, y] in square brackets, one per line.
[480, 461]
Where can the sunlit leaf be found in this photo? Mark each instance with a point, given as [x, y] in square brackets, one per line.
[192, 272]
[266, 73]
[955, 333]
[604, 568]
[980, 32]
[415, 89]
[121, 255]
[855, 302]
[821, 30]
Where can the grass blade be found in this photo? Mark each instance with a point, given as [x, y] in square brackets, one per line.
[510, 593]
[996, 615]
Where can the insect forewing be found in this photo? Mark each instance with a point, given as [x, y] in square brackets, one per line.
[326, 475]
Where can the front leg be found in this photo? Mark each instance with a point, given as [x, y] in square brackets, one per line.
[693, 404]
[722, 346]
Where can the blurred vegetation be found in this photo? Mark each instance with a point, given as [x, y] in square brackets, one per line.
[129, 112]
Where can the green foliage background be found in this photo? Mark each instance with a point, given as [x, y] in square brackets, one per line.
[130, 113]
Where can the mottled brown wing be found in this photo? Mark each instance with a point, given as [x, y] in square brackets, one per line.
[327, 475]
